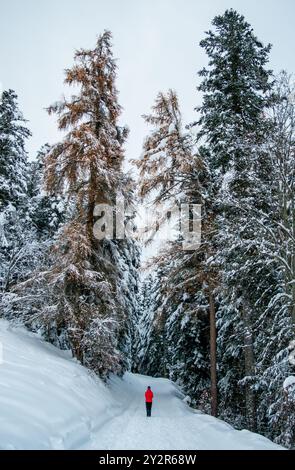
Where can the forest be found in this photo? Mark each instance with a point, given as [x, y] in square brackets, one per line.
[219, 319]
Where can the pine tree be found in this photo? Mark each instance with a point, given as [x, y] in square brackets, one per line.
[234, 131]
[234, 92]
[176, 341]
[13, 156]
[167, 154]
[80, 301]
[13, 191]
[147, 354]
[275, 235]
[36, 224]
[47, 214]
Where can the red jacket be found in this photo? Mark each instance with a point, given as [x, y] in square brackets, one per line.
[149, 396]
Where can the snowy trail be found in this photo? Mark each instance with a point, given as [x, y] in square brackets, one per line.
[49, 401]
[173, 424]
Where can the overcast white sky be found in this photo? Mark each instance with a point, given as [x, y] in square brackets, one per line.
[156, 42]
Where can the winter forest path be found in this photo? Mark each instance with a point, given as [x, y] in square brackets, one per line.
[49, 401]
[173, 424]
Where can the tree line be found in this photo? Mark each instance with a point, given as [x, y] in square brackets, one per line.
[220, 320]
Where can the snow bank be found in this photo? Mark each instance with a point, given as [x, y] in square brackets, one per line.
[47, 400]
[288, 382]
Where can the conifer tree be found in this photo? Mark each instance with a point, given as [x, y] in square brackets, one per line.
[46, 213]
[147, 355]
[87, 164]
[276, 300]
[35, 224]
[81, 300]
[167, 154]
[171, 174]
[13, 190]
[233, 131]
[13, 156]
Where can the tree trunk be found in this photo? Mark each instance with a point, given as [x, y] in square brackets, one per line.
[249, 371]
[164, 371]
[90, 214]
[293, 261]
[213, 366]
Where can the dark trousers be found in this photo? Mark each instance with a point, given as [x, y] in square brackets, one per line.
[148, 408]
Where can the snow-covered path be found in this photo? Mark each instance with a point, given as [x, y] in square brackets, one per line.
[49, 401]
[173, 424]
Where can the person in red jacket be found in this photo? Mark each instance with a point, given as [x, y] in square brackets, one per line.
[148, 401]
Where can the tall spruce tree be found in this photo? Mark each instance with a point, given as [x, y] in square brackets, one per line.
[233, 131]
[13, 156]
[276, 300]
[13, 190]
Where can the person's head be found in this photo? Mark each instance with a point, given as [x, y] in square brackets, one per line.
[149, 387]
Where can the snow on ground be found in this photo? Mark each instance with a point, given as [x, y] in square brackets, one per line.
[289, 382]
[49, 401]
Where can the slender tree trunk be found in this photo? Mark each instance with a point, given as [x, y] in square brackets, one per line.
[250, 398]
[213, 364]
[91, 206]
[164, 345]
[293, 259]
[12, 263]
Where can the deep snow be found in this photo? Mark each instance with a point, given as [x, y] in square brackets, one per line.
[49, 401]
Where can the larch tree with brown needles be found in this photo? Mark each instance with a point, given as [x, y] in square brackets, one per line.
[85, 296]
[171, 174]
[87, 165]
